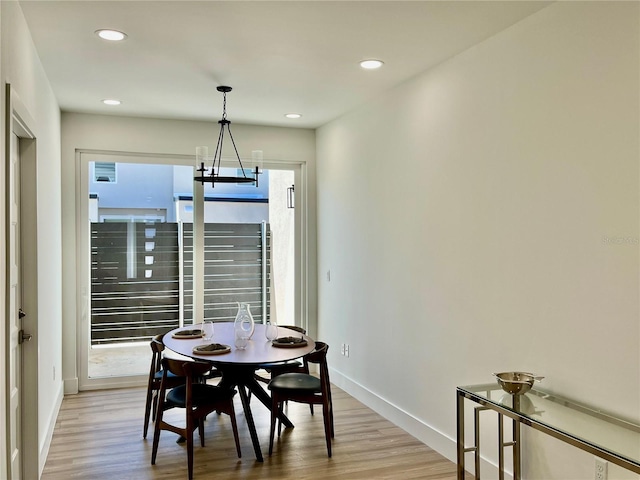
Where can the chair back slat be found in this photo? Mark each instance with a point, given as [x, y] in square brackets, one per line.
[318, 355]
[183, 368]
[157, 347]
[295, 328]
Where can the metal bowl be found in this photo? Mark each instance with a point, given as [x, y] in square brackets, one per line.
[516, 383]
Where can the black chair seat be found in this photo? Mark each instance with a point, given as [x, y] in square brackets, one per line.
[158, 375]
[292, 382]
[280, 365]
[203, 394]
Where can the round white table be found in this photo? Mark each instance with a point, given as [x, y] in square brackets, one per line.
[238, 366]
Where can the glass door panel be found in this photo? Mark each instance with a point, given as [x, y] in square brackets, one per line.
[141, 257]
[135, 262]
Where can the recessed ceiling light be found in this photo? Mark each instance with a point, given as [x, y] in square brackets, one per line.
[371, 64]
[293, 115]
[111, 101]
[112, 35]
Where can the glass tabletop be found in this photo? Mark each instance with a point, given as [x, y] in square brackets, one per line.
[616, 435]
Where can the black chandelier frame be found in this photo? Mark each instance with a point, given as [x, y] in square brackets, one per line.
[215, 177]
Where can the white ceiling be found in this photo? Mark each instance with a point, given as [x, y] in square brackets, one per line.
[279, 57]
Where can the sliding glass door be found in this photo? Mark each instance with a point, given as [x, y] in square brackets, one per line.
[139, 257]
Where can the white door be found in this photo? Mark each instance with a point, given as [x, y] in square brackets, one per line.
[15, 316]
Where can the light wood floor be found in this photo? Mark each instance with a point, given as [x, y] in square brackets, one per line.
[98, 435]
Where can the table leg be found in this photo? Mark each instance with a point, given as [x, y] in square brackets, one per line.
[460, 435]
[516, 440]
[264, 397]
[243, 379]
[250, 423]
[476, 436]
[500, 447]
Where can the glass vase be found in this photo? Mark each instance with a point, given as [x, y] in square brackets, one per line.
[244, 325]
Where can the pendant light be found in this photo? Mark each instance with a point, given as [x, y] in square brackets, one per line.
[212, 175]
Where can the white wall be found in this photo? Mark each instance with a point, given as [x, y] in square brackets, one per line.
[484, 217]
[22, 69]
[154, 136]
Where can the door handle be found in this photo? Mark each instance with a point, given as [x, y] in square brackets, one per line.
[23, 337]
[21, 313]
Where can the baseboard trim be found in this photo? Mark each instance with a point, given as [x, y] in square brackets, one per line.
[114, 382]
[51, 424]
[71, 386]
[438, 441]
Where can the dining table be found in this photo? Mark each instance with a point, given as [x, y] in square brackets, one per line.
[238, 366]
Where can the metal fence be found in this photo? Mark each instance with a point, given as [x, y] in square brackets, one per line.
[142, 276]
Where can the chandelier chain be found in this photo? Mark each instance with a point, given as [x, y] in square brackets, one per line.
[224, 105]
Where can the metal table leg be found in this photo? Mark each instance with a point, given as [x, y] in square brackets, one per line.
[461, 449]
[476, 433]
[500, 447]
[516, 440]
[460, 434]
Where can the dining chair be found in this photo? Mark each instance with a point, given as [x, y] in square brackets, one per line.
[155, 378]
[304, 388]
[292, 366]
[197, 399]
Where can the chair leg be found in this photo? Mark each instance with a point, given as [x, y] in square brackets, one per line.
[274, 416]
[154, 402]
[234, 427]
[201, 430]
[147, 412]
[329, 402]
[156, 437]
[331, 418]
[327, 426]
[189, 435]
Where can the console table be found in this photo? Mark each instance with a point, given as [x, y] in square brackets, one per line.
[609, 437]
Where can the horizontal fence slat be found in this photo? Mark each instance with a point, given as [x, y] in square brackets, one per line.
[135, 276]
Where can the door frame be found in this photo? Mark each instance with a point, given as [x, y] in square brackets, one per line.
[19, 122]
[83, 157]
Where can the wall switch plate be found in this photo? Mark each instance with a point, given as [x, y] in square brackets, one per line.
[346, 350]
[342, 349]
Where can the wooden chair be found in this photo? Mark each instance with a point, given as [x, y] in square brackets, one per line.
[198, 400]
[293, 366]
[304, 388]
[155, 377]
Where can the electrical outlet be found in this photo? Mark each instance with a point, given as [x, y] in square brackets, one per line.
[600, 472]
[343, 347]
